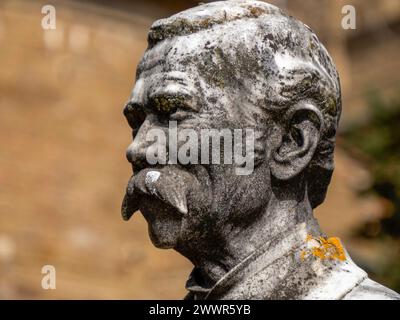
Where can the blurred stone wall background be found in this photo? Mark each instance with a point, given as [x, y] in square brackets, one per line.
[63, 138]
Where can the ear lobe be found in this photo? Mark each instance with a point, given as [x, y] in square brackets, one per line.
[299, 143]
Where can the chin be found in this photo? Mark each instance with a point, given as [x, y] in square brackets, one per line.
[164, 226]
[164, 234]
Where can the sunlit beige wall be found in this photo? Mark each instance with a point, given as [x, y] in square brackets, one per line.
[62, 161]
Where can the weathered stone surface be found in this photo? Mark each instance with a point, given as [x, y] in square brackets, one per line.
[242, 65]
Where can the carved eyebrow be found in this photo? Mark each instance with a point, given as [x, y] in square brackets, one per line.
[167, 102]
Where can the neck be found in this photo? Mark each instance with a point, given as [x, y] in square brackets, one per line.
[217, 258]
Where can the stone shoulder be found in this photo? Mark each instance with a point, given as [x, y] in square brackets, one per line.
[371, 290]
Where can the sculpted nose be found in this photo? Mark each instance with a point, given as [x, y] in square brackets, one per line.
[136, 154]
[137, 150]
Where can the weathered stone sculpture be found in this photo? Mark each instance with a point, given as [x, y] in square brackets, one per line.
[244, 66]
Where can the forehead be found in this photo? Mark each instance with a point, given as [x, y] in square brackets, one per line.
[198, 56]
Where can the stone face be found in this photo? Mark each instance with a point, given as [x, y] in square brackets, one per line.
[228, 67]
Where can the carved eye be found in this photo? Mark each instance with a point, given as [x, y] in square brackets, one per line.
[179, 115]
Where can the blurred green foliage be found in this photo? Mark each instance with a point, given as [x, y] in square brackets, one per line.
[377, 143]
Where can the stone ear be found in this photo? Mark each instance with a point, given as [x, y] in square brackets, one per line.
[299, 141]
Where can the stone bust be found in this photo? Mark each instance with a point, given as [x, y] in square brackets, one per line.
[244, 66]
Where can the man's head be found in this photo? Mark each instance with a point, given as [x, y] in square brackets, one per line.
[230, 65]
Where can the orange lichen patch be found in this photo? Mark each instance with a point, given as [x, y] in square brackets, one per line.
[330, 248]
[303, 254]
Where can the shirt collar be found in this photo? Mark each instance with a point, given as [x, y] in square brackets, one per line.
[284, 248]
[285, 242]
